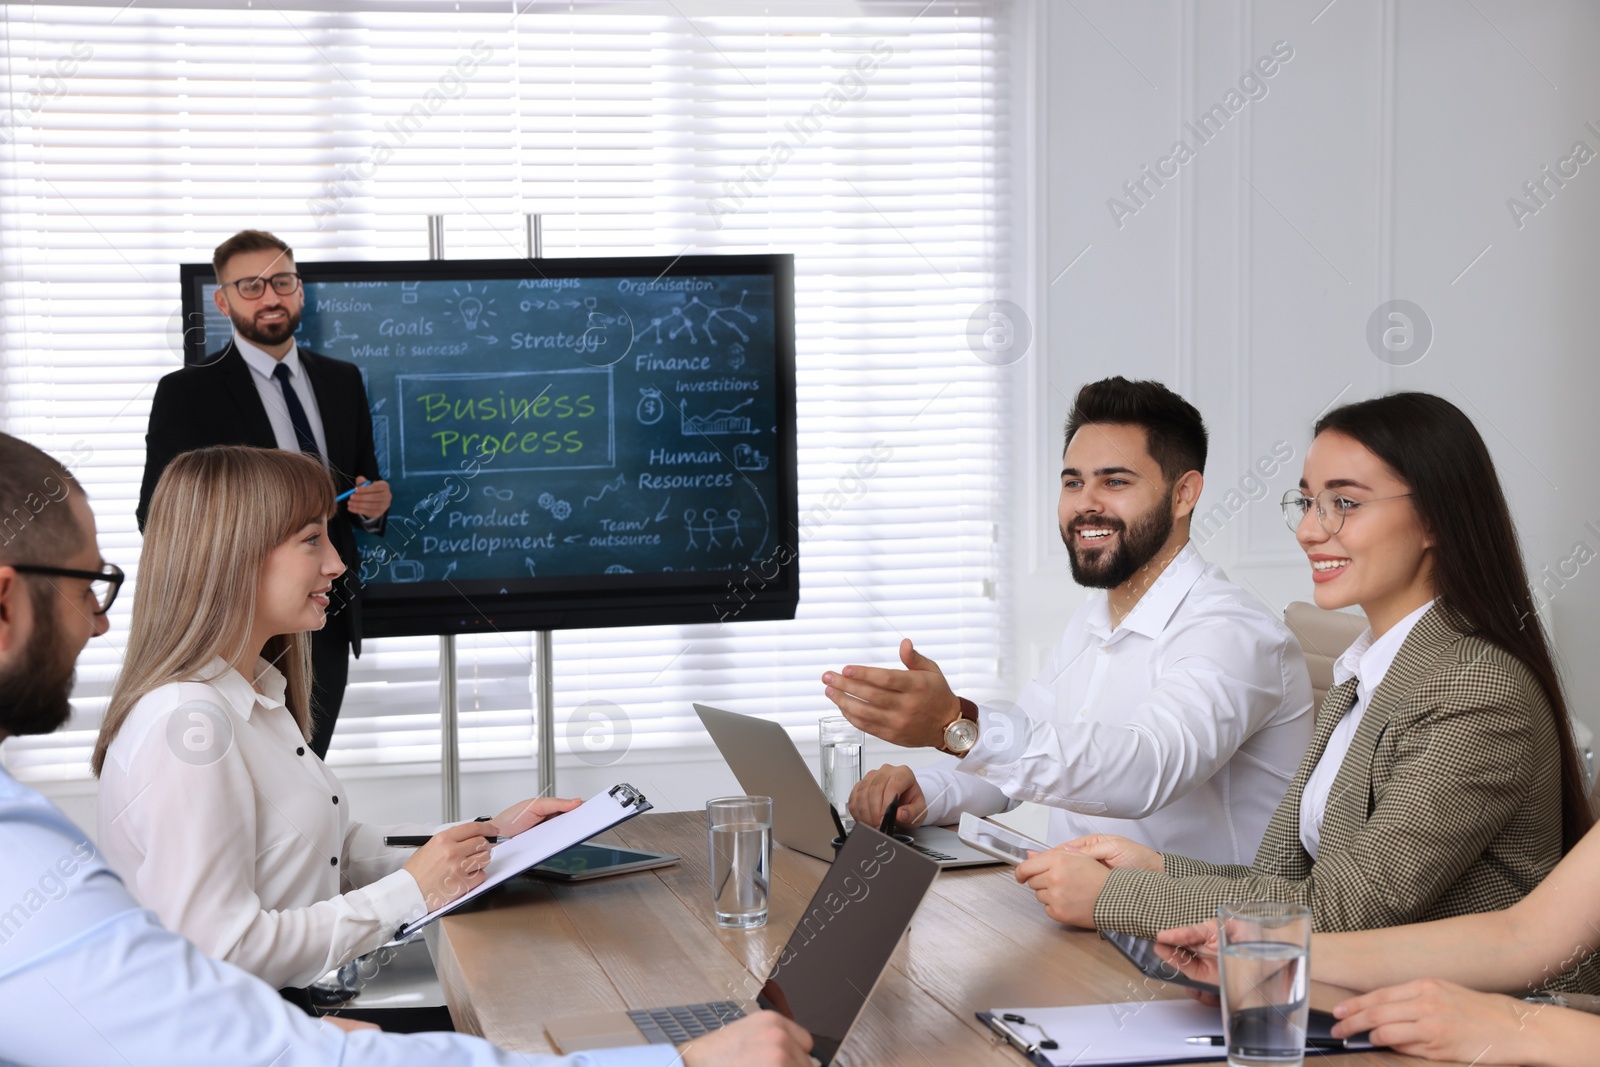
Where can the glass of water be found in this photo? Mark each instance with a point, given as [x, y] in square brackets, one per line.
[841, 762]
[740, 829]
[1265, 957]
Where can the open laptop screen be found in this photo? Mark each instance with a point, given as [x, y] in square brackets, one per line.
[844, 940]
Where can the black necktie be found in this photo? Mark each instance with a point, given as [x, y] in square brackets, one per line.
[297, 414]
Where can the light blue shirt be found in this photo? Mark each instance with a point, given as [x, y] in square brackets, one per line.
[87, 977]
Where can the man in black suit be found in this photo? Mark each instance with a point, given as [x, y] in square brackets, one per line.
[261, 389]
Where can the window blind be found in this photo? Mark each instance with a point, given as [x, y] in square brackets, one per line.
[870, 144]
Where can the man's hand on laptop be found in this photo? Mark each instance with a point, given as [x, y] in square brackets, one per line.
[909, 708]
[763, 1039]
[872, 795]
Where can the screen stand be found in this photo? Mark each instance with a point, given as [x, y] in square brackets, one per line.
[545, 703]
[545, 711]
[544, 660]
[449, 731]
[449, 735]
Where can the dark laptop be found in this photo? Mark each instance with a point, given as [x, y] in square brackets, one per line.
[824, 975]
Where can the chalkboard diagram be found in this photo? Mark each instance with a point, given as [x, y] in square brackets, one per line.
[679, 320]
[475, 309]
[651, 407]
[561, 426]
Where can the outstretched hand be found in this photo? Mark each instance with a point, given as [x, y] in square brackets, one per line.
[910, 707]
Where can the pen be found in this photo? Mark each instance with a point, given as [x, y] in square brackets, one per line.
[418, 840]
[346, 495]
[1218, 1041]
[887, 826]
[1015, 1040]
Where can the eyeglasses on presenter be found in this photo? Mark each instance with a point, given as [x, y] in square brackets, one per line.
[283, 284]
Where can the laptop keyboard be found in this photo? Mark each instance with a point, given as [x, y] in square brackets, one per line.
[932, 853]
[674, 1026]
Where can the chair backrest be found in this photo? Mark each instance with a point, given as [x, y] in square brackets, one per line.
[1323, 637]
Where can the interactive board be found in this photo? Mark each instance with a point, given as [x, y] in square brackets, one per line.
[586, 442]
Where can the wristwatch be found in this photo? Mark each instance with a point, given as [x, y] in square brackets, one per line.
[962, 733]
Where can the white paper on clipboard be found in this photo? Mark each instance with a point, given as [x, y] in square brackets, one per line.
[533, 846]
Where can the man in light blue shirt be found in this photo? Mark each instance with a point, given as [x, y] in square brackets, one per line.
[86, 975]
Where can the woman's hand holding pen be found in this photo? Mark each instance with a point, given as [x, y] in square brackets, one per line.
[527, 814]
[452, 862]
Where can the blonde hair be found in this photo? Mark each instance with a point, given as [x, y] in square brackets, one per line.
[215, 516]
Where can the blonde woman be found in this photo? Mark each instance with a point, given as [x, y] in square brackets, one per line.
[213, 807]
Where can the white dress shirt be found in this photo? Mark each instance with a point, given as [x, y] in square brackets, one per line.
[88, 978]
[261, 369]
[1180, 728]
[262, 365]
[1367, 661]
[223, 822]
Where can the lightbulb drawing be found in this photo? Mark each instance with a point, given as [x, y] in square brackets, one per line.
[476, 310]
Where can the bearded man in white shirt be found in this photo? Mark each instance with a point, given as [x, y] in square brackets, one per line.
[1174, 709]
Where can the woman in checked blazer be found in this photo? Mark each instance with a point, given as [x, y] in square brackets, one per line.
[1441, 779]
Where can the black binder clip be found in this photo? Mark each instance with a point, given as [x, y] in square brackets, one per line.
[626, 795]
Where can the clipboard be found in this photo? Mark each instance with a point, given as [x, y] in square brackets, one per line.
[533, 846]
[1132, 1034]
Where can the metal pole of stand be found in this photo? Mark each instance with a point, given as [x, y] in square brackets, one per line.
[449, 726]
[544, 710]
[435, 236]
[449, 734]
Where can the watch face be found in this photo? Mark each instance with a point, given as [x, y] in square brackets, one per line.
[960, 735]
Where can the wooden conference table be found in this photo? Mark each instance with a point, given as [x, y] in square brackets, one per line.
[538, 950]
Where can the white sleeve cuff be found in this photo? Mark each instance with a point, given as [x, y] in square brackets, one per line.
[1003, 731]
[396, 899]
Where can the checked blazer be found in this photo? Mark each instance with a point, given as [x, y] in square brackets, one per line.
[1448, 803]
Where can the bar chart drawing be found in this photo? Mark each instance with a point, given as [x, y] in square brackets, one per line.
[720, 421]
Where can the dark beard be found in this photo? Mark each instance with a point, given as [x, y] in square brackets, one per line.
[257, 335]
[1107, 568]
[34, 689]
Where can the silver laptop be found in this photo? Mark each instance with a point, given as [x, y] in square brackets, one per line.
[823, 977]
[767, 764]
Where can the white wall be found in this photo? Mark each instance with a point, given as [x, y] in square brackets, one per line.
[1377, 166]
